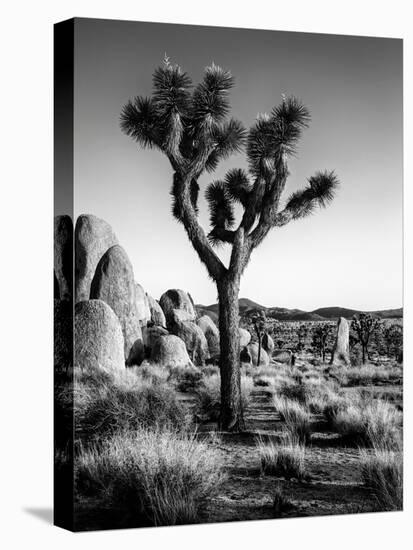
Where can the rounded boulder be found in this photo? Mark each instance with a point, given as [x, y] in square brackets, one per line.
[268, 343]
[170, 351]
[98, 336]
[211, 332]
[142, 306]
[244, 337]
[157, 314]
[174, 299]
[253, 350]
[193, 337]
[93, 237]
[114, 284]
[151, 335]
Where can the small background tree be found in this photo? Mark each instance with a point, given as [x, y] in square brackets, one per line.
[364, 326]
[259, 323]
[393, 338]
[191, 126]
[319, 341]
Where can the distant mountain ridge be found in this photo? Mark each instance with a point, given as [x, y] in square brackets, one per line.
[285, 314]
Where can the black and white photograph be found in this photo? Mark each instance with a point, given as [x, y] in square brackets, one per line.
[228, 265]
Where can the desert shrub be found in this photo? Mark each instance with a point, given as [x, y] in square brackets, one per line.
[153, 373]
[286, 459]
[159, 477]
[382, 471]
[104, 410]
[185, 379]
[292, 389]
[209, 396]
[281, 502]
[296, 416]
[367, 374]
[375, 423]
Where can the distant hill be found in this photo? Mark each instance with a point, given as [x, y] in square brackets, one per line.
[336, 312]
[284, 314]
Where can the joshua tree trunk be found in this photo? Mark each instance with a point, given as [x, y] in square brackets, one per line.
[364, 349]
[232, 417]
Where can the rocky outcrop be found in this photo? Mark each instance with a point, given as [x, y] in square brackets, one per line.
[244, 337]
[114, 283]
[193, 337]
[170, 351]
[157, 314]
[93, 237]
[63, 257]
[150, 336]
[98, 337]
[175, 299]
[341, 349]
[268, 343]
[211, 332]
[142, 306]
[253, 351]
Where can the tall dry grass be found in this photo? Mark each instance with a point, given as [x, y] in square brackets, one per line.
[296, 417]
[156, 476]
[286, 459]
[373, 423]
[382, 471]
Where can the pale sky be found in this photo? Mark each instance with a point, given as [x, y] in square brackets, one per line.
[348, 255]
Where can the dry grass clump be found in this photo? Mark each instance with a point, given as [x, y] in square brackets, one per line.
[105, 405]
[375, 423]
[286, 459]
[152, 373]
[281, 502]
[209, 395]
[382, 471]
[367, 374]
[156, 477]
[185, 379]
[297, 418]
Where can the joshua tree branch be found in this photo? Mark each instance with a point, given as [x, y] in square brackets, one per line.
[185, 212]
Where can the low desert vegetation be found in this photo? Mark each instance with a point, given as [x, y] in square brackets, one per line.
[185, 379]
[209, 396]
[155, 476]
[296, 417]
[285, 459]
[105, 405]
[382, 471]
[143, 444]
[367, 374]
[281, 503]
[375, 423]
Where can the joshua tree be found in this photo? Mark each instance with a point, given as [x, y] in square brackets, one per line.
[364, 326]
[259, 321]
[393, 337]
[191, 126]
[302, 336]
[320, 335]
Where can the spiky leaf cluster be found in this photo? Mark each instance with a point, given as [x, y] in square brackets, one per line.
[221, 211]
[276, 136]
[319, 192]
[184, 122]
